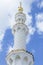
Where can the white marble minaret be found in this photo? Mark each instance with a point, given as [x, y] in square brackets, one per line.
[19, 55]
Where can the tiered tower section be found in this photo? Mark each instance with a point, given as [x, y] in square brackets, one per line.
[19, 55]
[20, 30]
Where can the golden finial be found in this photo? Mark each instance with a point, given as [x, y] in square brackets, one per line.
[20, 9]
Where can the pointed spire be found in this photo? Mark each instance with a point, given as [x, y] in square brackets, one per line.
[20, 9]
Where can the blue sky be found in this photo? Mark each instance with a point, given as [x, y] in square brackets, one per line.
[34, 13]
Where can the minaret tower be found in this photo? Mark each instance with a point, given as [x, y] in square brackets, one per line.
[19, 55]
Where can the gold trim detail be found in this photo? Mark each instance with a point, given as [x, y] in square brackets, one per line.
[20, 9]
[14, 51]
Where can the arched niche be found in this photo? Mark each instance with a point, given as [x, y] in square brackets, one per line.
[25, 60]
[17, 60]
[10, 61]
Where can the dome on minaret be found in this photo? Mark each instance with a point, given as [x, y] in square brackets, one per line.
[20, 17]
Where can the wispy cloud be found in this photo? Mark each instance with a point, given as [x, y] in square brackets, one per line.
[0, 46]
[31, 30]
[28, 20]
[40, 4]
[1, 38]
[39, 22]
[1, 35]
